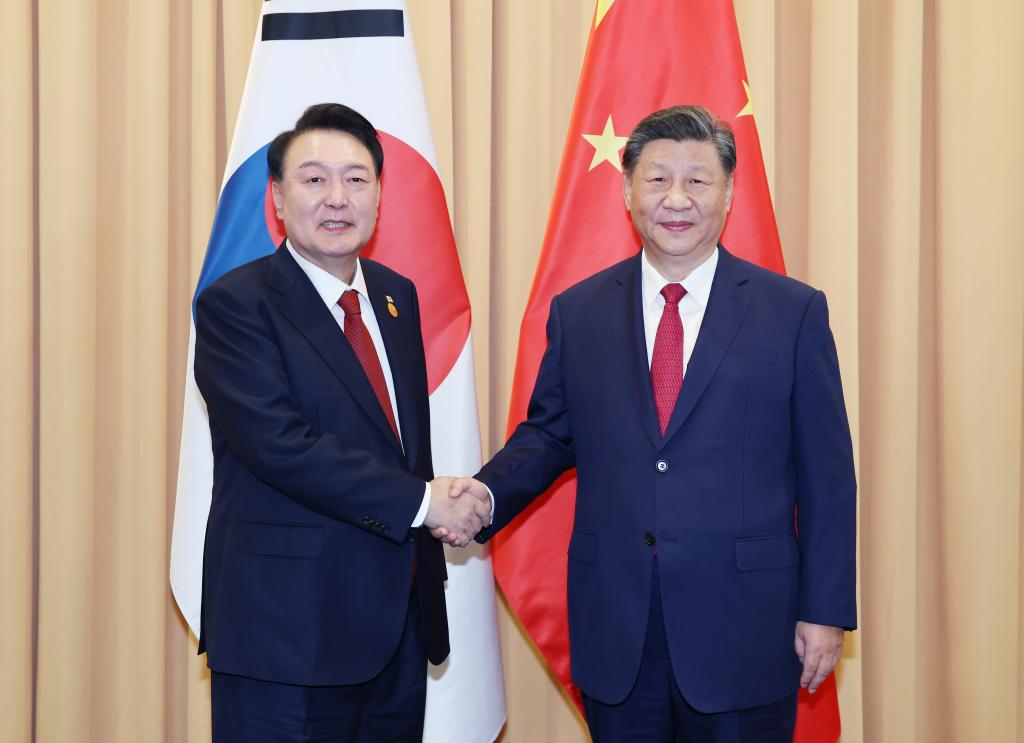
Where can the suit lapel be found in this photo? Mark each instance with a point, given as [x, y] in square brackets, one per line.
[393, 331]
[301, 304]
[627, 323]
[727, 305]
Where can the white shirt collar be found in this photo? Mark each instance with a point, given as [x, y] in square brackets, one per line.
[329, 287]
[697, 284]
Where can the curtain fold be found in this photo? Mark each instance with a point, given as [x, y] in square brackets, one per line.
[69, 144]
[889, 133]
[979, 310]
[18, 375]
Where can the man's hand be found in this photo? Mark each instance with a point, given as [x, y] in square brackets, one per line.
[818, 646]
[472, 486]
[452, 519]
[479, 492]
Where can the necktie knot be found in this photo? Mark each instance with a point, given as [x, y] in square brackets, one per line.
[350, 302]
[673, 293]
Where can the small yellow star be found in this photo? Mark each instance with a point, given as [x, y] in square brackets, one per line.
[747, 110]
[606, 146]
[602, 9]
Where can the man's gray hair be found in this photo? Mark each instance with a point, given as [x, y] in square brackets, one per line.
[682, 123]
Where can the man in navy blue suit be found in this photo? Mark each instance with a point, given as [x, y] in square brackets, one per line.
[323, 591]
[711, 563]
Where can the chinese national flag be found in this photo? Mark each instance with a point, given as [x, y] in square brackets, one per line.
[643, 55]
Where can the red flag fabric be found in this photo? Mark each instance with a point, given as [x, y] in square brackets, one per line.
[641, 57]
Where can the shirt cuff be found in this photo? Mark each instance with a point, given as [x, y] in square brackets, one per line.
[421, 515]
[492, 503]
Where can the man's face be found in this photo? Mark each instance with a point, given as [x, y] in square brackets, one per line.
[678, 196]
[328, 197]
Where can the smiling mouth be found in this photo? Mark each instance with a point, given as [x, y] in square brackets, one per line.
[335, 226]
[681, 226]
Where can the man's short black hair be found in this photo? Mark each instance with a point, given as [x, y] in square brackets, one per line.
[326, 117]
[682, 123]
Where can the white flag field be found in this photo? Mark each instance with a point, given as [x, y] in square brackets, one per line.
[360, 54]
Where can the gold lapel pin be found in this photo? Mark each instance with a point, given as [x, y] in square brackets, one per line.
[391, 306]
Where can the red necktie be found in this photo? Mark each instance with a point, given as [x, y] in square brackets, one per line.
[359, 338]
[667, 359]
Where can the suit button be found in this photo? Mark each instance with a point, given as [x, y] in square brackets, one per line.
[662, 465]
[649, 539]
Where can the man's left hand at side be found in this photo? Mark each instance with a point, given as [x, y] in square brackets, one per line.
[818, 646]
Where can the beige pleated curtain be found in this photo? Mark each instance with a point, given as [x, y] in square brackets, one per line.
[891, 131]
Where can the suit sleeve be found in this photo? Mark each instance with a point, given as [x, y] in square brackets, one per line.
[826, 482]
[241, 374]
[541, 447]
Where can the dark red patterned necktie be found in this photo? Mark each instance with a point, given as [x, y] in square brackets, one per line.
[359, 338]
[667, 358]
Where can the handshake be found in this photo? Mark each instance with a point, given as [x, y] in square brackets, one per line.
[459, 508]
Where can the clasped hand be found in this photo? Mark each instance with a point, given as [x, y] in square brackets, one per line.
[455, 519]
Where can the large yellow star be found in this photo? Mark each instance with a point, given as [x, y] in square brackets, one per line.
[606, 146]
[747, 110]
[602, 8]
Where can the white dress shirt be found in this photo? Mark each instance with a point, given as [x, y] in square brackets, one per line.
[330, 288]
[691, 306]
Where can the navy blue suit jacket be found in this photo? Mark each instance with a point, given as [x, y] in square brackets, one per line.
[759, 430]
[309, 552]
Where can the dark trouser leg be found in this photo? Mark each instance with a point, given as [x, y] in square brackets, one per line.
[655, 710]
[248, 710]
[387, 709]
[395, 700]
[770, 723]
[646, 714]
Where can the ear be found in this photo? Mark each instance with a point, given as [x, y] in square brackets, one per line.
[627, 189]
[275, 191]
[728, 191]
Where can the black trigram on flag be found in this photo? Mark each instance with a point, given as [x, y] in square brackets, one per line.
[335, 24]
